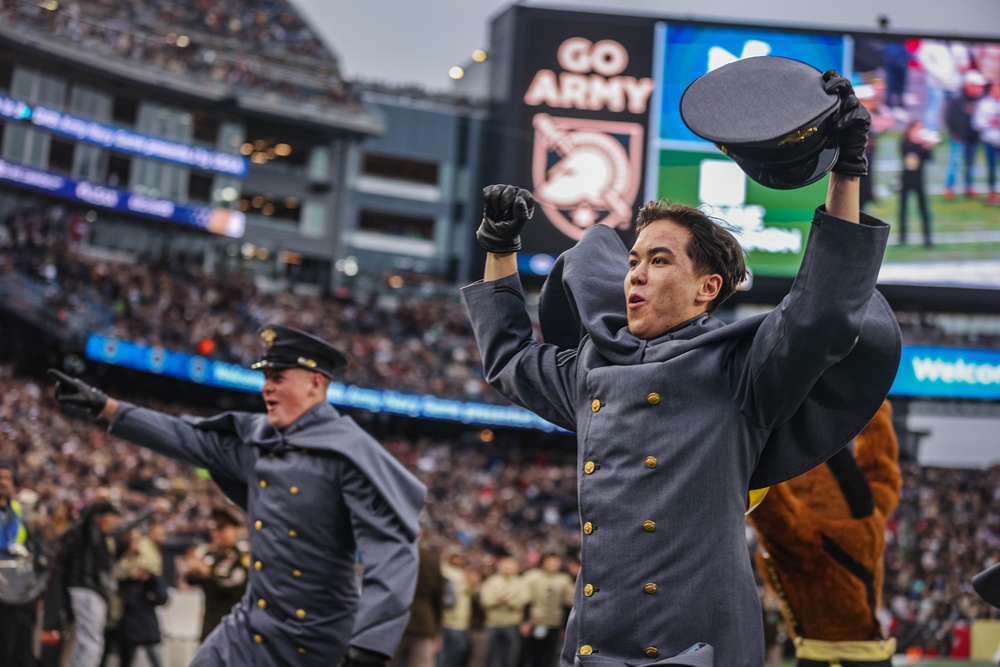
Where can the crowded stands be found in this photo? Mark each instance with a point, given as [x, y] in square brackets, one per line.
[420, 345]
[487, 500]
[261, 48]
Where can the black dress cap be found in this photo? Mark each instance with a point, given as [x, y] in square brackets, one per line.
[987, 584]
[285, 347]
[770, 115]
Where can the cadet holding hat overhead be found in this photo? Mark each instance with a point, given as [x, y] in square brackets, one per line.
[677, 414]
[315, 488]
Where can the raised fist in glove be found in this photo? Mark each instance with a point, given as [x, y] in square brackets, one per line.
[851, 123]
[362, 657]
[79, 394]
[505, 210]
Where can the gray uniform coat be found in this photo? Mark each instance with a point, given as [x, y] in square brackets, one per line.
[314, 493]
[673, 432]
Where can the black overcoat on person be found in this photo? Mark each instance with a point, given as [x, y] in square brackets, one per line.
[140, 598]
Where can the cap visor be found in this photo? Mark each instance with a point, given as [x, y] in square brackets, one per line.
[791, 175]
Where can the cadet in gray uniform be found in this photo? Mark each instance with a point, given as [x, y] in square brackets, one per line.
[316, 489]
[677, 414]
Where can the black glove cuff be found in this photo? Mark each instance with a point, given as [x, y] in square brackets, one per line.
[495, 244]
[851, 169]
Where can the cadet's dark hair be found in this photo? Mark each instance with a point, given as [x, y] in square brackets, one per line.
[713, 247]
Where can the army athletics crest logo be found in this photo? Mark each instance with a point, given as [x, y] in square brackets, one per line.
[586, 172]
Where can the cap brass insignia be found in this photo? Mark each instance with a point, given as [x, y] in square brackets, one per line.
[798, 136]
[268, 336]
[310, 363]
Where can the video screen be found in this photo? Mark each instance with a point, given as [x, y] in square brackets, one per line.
[933, 150]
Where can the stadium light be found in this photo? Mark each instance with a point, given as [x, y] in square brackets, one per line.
[456, 73]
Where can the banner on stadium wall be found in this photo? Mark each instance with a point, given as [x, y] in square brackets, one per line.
[579, 101]
[123, 140]
[215, 220]
[945, 372]
[212, 373]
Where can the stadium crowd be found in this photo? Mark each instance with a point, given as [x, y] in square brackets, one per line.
[945, 529]
[261, 48]
[488, 498]
[422, 344]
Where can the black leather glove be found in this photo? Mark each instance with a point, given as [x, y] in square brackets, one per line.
[79, 394]
[505, 210]
[851, 123]
[362, 657]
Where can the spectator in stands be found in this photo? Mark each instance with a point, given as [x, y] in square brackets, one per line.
[457, 611]
[324, 470]
[141, 589]
[422, 637]
[220, 569]
[504, 597]
[550, 597]
[86, 564]
[17, 614]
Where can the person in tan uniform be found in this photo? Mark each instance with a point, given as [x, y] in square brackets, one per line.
[504, 596]
[550, 596]
[457, 612]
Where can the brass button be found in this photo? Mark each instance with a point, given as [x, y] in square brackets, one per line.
[588, 590]
[258, 639]
[296, 573]
[257, 565]
[271, 455]
[589, 467]
[300, 613]
[263, 484]
[653, 398]
[294, 490]
[649, 588]
[293, 533]
[651, 462]
[302, 650]
[588, 528]
[652, 652]
[258, 524]
[595, 404]
[586, 649]
[649, 526]
[262, 603]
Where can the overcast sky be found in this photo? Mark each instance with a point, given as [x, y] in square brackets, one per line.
[416, 41]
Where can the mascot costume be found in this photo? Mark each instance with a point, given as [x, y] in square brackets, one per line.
[822, 538]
